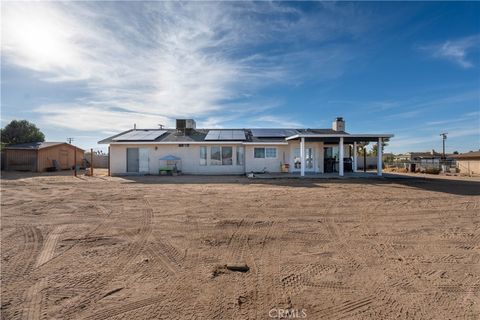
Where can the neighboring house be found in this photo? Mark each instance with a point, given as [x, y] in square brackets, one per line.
[236, 151]
[424, 157]
[38, 156]
[468, 163]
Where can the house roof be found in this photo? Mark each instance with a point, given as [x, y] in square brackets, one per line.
[173, 136]
[35, 145]
[474, 155]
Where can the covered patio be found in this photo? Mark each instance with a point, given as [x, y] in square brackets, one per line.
[341, 139]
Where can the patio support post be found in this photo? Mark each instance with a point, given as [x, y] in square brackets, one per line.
[379, 157]
[302, 156]
[340, 155]
[355, 157]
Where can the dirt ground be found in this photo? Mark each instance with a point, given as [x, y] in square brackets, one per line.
[156, 247]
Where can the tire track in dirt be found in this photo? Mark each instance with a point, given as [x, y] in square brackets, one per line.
[262, 285]
[409, 281]
[297, 282]
[106, 213]
[33, 301]
[347, 309]
[124, 308]
[134, 249]
[354, 260]
[24, 261]
[160, 258]
[234, 253]
[49, 246]
[168, 258]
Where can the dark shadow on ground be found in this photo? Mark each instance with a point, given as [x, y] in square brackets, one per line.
[450, 186]
[461, 187]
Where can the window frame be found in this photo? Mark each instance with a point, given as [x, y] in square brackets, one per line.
[220, 161]
[222, 154]
[255, 153]
[203, 161]
[265, 152]
[271, 148]
[213, 162]
[240, 156]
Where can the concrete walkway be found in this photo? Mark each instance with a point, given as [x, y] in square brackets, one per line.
[332, 175]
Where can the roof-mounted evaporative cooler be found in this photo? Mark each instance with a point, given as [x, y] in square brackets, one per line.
[185, 126]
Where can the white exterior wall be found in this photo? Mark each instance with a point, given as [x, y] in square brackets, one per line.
[190, 156]
[190, 159]
[269, 164]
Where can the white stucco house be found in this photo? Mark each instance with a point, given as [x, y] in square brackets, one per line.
[238, 151]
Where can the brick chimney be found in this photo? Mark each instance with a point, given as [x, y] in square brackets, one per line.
[338, 124]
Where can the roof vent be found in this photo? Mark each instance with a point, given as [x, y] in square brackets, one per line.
[338, 124]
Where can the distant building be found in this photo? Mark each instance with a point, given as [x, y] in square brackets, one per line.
[468, 163]
[428, 156]
[38, 156]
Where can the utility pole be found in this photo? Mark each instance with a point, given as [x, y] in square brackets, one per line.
[69, 140]
[161, 126]
[444, 137]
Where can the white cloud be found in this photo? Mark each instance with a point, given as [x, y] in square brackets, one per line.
[457, 51]
[161, 60]
[276, 121]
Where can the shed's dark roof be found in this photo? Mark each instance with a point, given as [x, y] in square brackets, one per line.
[474, 155]
[35, 145]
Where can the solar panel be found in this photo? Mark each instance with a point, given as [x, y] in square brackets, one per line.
[236, 135]
[140, 135]
[273, 133]
[213, 135]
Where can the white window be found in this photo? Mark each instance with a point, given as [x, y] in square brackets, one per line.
[227, 156]
[215, 156]
[221, 156]
[270, 152]
[240, 156]
[203, 156]
[261, 153]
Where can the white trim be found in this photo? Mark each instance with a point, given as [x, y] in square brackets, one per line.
[266, 143]
[355, 158]
[379, 157]
[302, 157]
[202, 142]
[340, 157]
[341, 135]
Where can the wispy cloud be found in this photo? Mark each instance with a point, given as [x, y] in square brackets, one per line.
[276, 121]
[457, 51]
[154, 61]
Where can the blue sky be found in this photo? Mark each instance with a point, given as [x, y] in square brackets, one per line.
[90, 69]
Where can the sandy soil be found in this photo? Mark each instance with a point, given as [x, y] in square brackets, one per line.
[156, 247]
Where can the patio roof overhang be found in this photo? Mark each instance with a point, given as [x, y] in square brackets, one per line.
[347, 138]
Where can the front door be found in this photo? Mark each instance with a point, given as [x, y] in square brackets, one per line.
[309, 161]
[144, 160]
[132, 160]
[329, 160]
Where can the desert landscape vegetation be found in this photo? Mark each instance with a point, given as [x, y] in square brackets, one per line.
[193, 247]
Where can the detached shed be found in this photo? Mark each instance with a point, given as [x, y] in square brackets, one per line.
[468, 163]
[37, 156]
